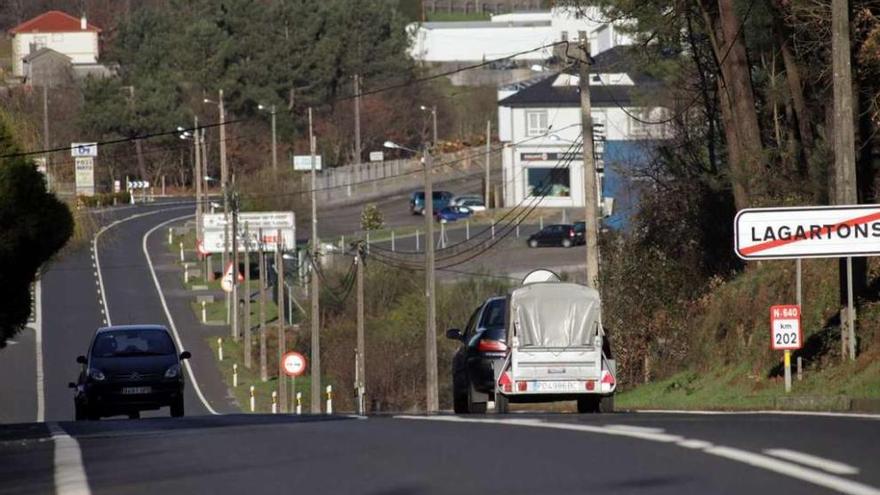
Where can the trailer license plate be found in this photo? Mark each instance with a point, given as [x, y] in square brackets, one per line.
[136, 390]
[558, 386]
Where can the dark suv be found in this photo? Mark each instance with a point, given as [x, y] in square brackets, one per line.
[442, 199]
[129, 369]
[484, 342]
[555, 235]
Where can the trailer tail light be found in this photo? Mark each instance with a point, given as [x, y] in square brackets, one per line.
[607, 382]
[522, 386]
[505, 382]
[591, 385]
[487, 345]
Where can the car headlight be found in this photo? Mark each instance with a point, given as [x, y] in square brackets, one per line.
[97, 375]
[173, 371]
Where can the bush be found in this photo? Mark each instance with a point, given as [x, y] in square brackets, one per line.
[371, 218]
[104, 199]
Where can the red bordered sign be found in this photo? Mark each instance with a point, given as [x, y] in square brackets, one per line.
[785, 328]
[293, 363]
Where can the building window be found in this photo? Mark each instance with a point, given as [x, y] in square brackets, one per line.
[637, 125]
[548, 181]
[57, 37]
[536, 122]
[39, 42]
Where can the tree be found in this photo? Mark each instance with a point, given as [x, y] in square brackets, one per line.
[371, 218]
[34, 225]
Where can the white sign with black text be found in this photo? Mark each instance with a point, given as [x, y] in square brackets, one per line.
[214, 231]
[83, 149]
[85, 175]
[304, 162]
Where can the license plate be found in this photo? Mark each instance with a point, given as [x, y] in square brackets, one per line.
[136, 390]
[557, 386]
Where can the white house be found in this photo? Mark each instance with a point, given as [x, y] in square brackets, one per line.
[540, 124]
[507, 34]
[58, 31]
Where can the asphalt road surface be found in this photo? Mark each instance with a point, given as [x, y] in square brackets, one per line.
[514, 454]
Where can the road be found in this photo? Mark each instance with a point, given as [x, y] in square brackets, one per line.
[515, 454]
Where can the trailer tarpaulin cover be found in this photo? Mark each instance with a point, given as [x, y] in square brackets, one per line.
[555, 314]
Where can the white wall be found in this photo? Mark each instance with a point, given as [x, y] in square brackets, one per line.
[522, 16]
[81, 47]
[477, 44]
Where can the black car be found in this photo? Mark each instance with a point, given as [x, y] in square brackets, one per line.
[554, 235]
[483, 344]
[130, 369]
[579, 229]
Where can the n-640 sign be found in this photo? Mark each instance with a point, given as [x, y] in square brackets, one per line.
[785, 328]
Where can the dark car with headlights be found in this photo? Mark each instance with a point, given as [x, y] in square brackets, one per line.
[130, 369]
[483, 343]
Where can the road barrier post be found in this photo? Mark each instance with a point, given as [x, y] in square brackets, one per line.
[417, 239]
[787, 360]
[541, 222]
[517, 231]
[170, 235]
[253, 400]
[329, 392]
[234, 375]
[800, 369]
[181, 251]
[392, 241]
[204, 313]
[493, 228]
[467, 230]
[186, 273]
[274, 402]
[219, 348]
[299, 403]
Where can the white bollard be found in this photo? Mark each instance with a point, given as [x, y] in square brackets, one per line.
[517, 231]
[170, 236]
[417, 239]
[253, 400]
[541, 222]
[274, 402]
[493, 229]
[186, 273]
[299, 403]
[467, 229]
[392, 241]
[234, 376]
[219, 348]
[329, 392]
[181, 251]
[204, 313]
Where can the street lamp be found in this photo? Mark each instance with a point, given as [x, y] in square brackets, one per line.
[431, 389]
[433, 110]
[274, 142]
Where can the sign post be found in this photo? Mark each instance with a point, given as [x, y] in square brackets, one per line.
[786, 334]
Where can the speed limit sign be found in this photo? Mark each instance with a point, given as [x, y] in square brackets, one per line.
[294, 364]
[785, 328]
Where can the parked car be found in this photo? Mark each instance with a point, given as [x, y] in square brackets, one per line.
[483, 346]
[452, 213]
[442, 199]
[554, 235]
[475, 203]
[129, 369]
[579, 229]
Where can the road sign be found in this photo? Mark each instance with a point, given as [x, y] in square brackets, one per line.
[214, 234]
[83, 149]
[785, 328]
[226, 281]
[294, 364]
[85, 175]
[377, 156]
[808, 232]
[304, 162]
[138, 184]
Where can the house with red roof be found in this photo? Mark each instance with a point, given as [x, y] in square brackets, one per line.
[58, 31]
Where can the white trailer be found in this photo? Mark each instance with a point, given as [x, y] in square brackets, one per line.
[558, 349]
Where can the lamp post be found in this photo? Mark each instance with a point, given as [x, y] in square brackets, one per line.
[274, 142]
[431, 389]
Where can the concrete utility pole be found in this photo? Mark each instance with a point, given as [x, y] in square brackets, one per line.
[235, 320]
[844, 147]
[315, 405]
[361, 344]
[264, 370]
[282, 338]
[358, 151]
[197, 180]
[591, 202]
[434, 119]
[274, 144]
[247, 297]
[46, 137]
[433, 401]
[488, 152]
[224, 172]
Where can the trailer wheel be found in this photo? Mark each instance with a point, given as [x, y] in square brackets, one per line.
[606, 405]
[589, 404]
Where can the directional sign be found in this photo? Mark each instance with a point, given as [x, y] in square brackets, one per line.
[294, 364]
[83, 149]
[138, 184]
[304, 162]
[214, 231]
[785, 328]
[809, 232]
[84, 175]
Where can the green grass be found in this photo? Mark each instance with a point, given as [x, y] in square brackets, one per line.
[216, 311]
[457, 16]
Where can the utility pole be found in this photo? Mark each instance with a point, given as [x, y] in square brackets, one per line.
[234, 298]
[264, 370]
[361, 345]
[274, 144]
[431, 391]
[488, 151]
[203, 145]
[844, 148]
[315, 405]
[282, 338]
[434, 118]
[247, 297]
[224, 172]
[591, 202]
[197, 180]
[46, 137]
[358, 151]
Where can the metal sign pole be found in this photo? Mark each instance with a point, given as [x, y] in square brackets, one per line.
[787, 360]
[851, 320]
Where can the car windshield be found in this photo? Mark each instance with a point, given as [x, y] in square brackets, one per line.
[134, 342]
[493, 319]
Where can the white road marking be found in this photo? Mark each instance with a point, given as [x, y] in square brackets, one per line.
[186, 364]
[38, 331]
[813, 461]
[643, 429]
[69, 472]
[769, 411]
[761, 461]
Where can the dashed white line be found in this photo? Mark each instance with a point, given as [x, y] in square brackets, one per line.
[771, 411]
[813, 461]
[69, 472]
